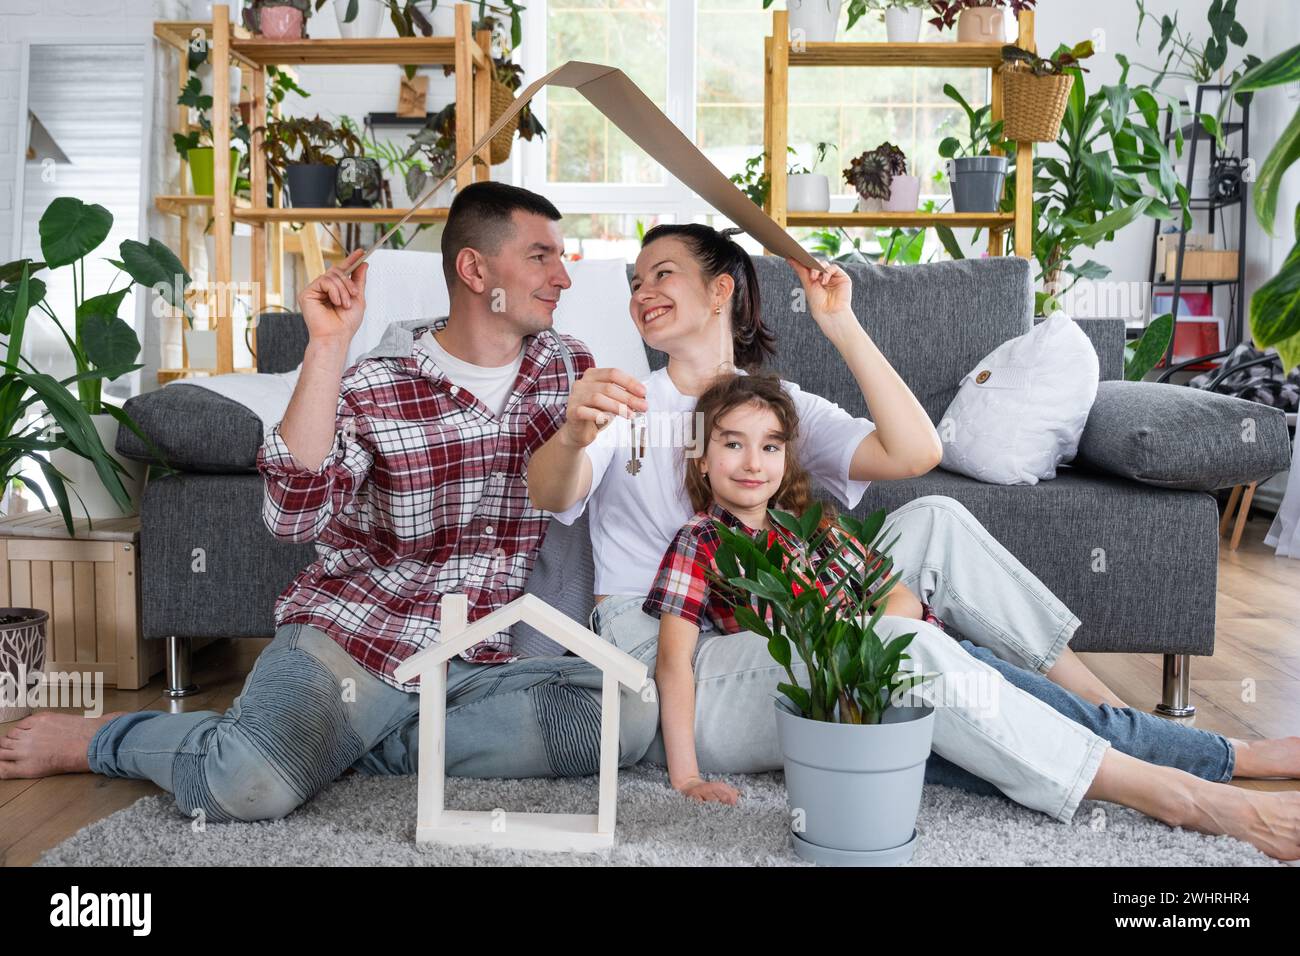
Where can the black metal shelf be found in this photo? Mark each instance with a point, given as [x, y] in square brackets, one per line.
[1193, 134]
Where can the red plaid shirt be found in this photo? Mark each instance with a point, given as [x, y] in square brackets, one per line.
[682, 585]
[423, 494]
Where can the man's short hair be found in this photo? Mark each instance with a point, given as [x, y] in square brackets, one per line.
[479, 218]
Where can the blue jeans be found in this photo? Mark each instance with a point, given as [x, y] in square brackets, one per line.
[308, 712]
[1133, 732]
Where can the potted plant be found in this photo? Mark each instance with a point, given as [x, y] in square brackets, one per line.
[807, 191]
[1189, 59]
[22, 658]
[196, 148]
[977, 21]
[812, 21]
[976, 175]
[279, 19]
[103, 346]
[358, 18]
[1036, 89]
[879, 176]
[902, 17]
[854, 738]
[298, 154]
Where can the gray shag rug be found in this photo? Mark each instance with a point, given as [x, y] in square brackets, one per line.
[370, 821]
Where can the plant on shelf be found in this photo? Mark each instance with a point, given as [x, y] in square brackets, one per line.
[1036, 89]
[279, 19]
[103, 347]
[1275, 306]
[983, 134]
[806, 190]
[434, 145]
[819, 152]
[976, 20]
[879, 176]
[196, 145]
[902, 18]
[754, 181]
[1187, 57]
[1054, 65]
[300, 153]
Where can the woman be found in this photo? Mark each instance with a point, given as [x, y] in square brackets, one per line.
[695, 297]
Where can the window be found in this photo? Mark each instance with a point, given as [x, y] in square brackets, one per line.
[702, 63]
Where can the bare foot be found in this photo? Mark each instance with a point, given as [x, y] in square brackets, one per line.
[1268, 821]
[1267, 758]
[43, 745]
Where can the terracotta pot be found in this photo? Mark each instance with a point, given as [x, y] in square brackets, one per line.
[280, 23]
[982, 25]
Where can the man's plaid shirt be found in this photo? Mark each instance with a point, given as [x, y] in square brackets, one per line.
[423, 494]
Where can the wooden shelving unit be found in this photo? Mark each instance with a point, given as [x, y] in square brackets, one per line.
[467, 53]
[780, 57]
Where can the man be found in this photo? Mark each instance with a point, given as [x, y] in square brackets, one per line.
[408, 470]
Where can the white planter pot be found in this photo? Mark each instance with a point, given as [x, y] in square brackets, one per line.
[813, 21]
[204, 73]
[808, 192]
[96, 502]
[201, 348]
[443, 17]
[904, 194]
[854, 790]
[366, 23]
[903, 24]
[22, 656]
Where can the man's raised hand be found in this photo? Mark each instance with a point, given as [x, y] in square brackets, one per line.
[334, 303]
[598, 397]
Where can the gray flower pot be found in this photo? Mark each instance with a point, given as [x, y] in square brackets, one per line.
[977, 182]
[854, 790]
[311, 185]
[22, 657]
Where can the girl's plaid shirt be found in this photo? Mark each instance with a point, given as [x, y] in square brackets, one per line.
[424, 493]
[682, 586]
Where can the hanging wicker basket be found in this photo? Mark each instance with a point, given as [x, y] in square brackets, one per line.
[502, 99]
[1033, 106]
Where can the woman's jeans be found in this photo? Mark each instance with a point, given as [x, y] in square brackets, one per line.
[999, 725]
[308, 712]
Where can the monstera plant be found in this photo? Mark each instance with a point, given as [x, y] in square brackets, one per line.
[103, 347]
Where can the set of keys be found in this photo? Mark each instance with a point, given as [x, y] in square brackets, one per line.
[639, 428]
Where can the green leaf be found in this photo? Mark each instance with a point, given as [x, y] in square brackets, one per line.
[1275, 309]
[157, 267]
[9, 296]
[949, 241]
[1101, 182]
[18, 321]
[1094, 233]
[71, 229]
[1283, 155]
[1283, 68]
[12, 271]
[109, 342]
[949, 146]
[798, 696]
[107, 304]
[1149, 349]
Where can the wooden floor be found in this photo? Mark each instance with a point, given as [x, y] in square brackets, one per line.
[1249, 689]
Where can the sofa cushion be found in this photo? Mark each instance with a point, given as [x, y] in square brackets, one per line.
[196, 430]
[1171, 436]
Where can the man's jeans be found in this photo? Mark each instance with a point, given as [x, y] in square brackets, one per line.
[997, 730]
[308, 712]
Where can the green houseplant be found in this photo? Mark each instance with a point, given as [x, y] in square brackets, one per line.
[879, 177]
[977, 21]
[805, 189]
[103, 346]
[300, 154]
[902, 17]
[855, 703]
[1275, 306]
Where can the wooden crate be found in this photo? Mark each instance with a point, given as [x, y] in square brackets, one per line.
[1206, 264]
[90, 587]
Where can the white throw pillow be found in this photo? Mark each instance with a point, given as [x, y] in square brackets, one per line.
[1019, 413]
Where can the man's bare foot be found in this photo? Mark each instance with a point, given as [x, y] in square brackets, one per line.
[43, 745]
[1267, 758]
[1268, 821]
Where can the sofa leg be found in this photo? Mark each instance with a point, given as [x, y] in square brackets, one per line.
[179, 683]
[1177, 690]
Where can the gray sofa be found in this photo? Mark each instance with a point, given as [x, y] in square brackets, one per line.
[1127, 536]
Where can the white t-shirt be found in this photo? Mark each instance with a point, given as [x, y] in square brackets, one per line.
[633, 519]
[491, 386]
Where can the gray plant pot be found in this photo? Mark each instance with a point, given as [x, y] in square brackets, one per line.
[854, 790]
[977, 182]
[22, 657]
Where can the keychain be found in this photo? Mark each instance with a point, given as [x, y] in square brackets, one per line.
[638, 424]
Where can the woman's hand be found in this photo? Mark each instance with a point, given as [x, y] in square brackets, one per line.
[829, 293]
[709, 791]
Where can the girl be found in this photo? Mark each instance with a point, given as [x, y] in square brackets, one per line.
[695, 297]
[747, 466]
